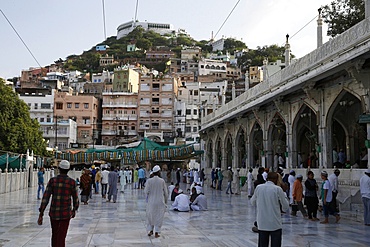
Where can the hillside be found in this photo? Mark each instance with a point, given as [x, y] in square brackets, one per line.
[144, 41]
[89, 60]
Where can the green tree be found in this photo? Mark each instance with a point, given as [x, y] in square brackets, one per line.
[256, 57]
[18, 132]
[232, 44]
[340, 15]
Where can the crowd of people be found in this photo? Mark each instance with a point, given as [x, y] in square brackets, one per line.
[273, 193]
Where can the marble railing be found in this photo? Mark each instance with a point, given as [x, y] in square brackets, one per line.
[332, 50]
[14, 180]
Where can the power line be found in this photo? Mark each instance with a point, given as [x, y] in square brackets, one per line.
[227, 18]
[105, 31]
[301, 28]
[137, 4]
[20, 38]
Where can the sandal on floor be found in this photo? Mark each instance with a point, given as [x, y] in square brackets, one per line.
[157, 235]
[150, 233]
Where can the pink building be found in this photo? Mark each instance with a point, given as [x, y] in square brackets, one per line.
[82, 109]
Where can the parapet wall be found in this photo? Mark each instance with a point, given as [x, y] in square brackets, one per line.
[14, 180]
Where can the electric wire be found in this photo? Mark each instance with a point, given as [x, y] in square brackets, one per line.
[227, 18]
[105, 30]
[137, 4]
[301, 28]
[19, 36]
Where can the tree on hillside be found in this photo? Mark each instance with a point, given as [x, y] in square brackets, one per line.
[256, 57]
[340, 15]
[232, 45]
[18, 132]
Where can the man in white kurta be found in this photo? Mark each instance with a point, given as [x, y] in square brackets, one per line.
[181, 202]
[365, 194]
[200, 203]
[122, 180]
[291, 180]
[268, 197]
[157, 195]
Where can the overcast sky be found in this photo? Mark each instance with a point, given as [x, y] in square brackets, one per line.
[57, 29]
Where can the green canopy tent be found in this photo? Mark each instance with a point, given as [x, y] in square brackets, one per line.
[12, 161]
[146, 150]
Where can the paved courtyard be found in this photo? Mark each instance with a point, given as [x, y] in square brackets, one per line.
[228, 222]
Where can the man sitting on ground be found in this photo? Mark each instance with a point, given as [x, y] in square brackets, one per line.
[200, 203]
[181, 202]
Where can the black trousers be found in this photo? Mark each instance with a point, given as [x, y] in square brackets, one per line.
[312, 204]
[264, 238]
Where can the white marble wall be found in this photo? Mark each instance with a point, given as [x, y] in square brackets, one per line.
[14, 180]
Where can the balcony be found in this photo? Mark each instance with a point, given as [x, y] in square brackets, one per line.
[119, 105]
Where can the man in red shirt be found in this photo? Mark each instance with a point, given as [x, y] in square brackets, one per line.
[62, 188]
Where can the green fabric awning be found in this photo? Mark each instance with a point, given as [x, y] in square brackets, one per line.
[146, 150]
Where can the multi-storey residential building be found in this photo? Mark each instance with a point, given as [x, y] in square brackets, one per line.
[191, 53]
[125, 80]
[81, 108]
[107, 60]
[218, 45]
[160, 53]
[33, 74]
[60, 134]
[234, 73]
[221, 57]
[105, 76]
[119, 121]
[197, 99]
[255, 75]
[160, 28]
[215, 67]
[40, 104]
[41, 108]
[156, 106]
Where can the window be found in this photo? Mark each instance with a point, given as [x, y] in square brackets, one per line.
[48, 119]
[77, 105]
[188, 111]
[59, 106]
[195, 112]
[84, 133]
[133, 127]
[178, 112]
[86, 120]
[69, 105]
[180, 92]
[187, 129]
[86, 105]
[195, 129]
[190, 92]
[36, 105]
[45, 106]
[195, 92]
[41, 120]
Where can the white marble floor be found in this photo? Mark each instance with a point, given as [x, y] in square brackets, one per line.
[227, 223]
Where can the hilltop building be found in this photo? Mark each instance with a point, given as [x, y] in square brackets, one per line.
[128, 27]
